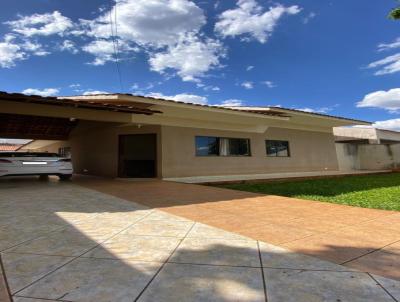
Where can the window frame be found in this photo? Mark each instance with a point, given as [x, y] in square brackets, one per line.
[289, 153]
[206, 155]
[219, 138]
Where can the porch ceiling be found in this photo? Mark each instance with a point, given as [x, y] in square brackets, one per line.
[35, 127]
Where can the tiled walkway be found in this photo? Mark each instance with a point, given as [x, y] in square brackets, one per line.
[364, 239]
[63, 242]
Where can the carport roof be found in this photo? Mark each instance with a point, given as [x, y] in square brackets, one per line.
[76, 103]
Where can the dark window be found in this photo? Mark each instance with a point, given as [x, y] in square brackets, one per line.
[216, 146]
[235, 147]
[277, 148]
[207, 146]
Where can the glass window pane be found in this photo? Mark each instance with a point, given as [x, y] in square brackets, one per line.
[271, 150]
[239, 146]
[277, 148]
[206, 146]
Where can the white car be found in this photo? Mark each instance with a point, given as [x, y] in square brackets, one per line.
[35, 163]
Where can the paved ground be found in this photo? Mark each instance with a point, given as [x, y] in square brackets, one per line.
[63, 242]
[365, 239]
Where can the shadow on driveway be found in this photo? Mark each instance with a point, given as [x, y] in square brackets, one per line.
[68, 243]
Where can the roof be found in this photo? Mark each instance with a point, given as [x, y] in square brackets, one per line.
[164, 100]
[115, 102]
[288, 110]
[267, 110]
[77, 103]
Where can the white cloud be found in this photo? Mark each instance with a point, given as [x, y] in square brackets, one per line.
[388, 100]
[35, 48]
[269, 84]
[182, 97]
[315, 110]
[250, 19]
[74, 85]
[212, 88]
[93, 92]
[68, 45]
[195, 99]
[231, 103]
[388, 46]
[149, 23]
[42, 92]
[247, 85]
[137, 87]
[13, 50]
[41, 24]
[309, 17]
[10, 53]
[191, 57]
[393, 124]
[168, 31]
[250, 67]
[388, 65]
[104, 50]
[208, 87]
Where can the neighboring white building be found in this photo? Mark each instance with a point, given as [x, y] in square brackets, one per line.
[367, 148]
[366, 135]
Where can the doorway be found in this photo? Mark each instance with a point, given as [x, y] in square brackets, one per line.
[137, 156]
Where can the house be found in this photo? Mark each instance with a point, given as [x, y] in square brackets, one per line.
[122, 135]
[367, 148]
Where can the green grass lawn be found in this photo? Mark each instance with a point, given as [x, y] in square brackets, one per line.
[381, 191]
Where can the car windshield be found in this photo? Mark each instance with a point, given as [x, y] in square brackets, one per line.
[28, 154]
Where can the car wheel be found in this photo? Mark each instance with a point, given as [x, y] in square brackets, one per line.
[65, 176]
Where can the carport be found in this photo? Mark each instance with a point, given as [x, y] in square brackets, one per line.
[50, 121]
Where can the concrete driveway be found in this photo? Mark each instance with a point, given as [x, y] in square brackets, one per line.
[64, 242]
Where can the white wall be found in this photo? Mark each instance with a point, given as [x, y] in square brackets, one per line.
[348, 158]
[375, 157]
[368, 157]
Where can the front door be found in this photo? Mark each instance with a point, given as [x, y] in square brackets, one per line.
[137, 155]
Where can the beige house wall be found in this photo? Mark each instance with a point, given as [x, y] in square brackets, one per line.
[94, 146]
[310, 151]
[95, 151]
[53, 148]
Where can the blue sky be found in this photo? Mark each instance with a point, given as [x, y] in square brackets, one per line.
[336, 57]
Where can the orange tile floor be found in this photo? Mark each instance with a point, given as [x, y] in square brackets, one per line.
[364, 239]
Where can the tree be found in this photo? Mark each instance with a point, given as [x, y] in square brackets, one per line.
[395, 13]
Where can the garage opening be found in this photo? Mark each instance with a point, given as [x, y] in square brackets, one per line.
[35, 145]
[30, 133]
[137, 155]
